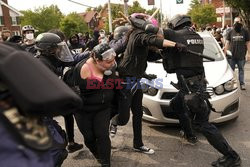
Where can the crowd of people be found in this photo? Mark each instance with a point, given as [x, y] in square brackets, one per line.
[103, 72]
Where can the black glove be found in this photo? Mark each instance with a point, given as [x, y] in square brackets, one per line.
[149, 76]
[181, 47]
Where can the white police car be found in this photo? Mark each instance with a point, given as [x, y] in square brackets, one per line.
[221, 84]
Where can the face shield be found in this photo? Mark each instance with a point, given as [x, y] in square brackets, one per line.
[63, 53]
[108, 55]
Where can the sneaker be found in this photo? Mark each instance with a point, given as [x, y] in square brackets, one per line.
[192, 140]
[145, 150]
[227, 161]
[243, 87]
[74, 147]
[113, 130]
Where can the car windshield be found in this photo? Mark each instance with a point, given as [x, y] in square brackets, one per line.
[211, 49]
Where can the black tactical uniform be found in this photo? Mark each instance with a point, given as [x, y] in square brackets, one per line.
[24, 100]
[49, 45]
[191, 100]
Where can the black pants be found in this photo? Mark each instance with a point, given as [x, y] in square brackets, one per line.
[69, 126]
[198, 112]
[94, 127]
[129, 101]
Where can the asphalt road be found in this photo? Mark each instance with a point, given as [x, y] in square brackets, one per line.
[170, 150]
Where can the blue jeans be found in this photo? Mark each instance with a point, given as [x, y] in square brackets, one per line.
[240, 65]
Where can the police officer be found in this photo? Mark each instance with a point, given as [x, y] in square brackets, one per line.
[55, 54]
[192, 100]
[24, 100]
[132, 68]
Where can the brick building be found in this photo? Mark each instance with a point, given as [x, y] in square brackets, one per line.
[222, 8]
[9, 18]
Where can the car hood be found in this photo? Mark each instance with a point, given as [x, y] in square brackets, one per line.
[217, 73]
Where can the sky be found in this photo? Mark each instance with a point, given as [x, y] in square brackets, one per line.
[169, 7]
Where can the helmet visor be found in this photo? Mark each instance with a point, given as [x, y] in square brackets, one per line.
[108, 55]
[64, 53]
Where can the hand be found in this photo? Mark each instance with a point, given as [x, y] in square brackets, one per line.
[181, 47]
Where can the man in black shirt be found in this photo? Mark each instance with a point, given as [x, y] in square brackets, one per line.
[237, 42]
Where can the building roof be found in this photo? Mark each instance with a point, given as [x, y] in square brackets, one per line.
[87, 16]
[11, 8]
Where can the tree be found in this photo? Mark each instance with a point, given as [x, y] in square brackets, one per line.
[136, 8]
[243, 7]
[72, 24]
[43, 18]
[202, 14]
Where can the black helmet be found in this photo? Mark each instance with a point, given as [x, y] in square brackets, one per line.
[47, 41]
[120, 31]
[51, 44]
[27, 28]
[178, 21]
[103, 52]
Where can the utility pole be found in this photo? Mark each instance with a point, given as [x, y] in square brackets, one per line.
[161, 12]
[126, 7]
[224, 14]
[110, 17]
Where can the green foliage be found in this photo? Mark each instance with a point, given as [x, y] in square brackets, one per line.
[43, 18]
[73, 23]
[202, 14]
[194, 3]
[136, 8]
[243, 7]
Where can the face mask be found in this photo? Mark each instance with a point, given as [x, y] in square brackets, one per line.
[29, 36]
[237, 27]
[110, 71]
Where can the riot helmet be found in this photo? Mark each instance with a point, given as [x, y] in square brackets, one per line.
[144, 22]
[120, 31]
[179, 21]
[50, 44]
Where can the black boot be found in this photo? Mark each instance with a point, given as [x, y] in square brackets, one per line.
[227, 161]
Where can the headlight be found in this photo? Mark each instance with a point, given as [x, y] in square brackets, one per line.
[219, 89]
[152, 91]
[146, 89]
[229, 85]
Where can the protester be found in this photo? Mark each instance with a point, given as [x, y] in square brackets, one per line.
[237, 42]
[94, 119]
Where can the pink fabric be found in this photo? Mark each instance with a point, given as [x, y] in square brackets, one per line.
[152, 20]
[92, 76]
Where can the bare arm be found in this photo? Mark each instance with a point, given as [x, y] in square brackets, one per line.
[168, 43]
[226, 47]
[248, 47]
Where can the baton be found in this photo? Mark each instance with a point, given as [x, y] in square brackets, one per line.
[201, 55]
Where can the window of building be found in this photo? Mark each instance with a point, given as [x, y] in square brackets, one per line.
[16, 33]
[14, 21]
[1, 20]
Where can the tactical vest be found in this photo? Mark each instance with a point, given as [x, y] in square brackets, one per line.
[176, 60]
